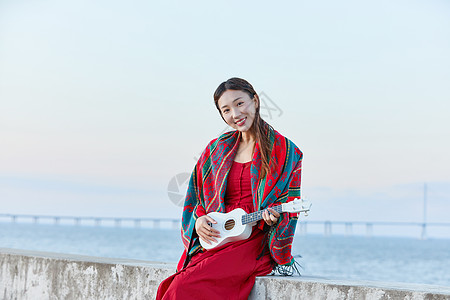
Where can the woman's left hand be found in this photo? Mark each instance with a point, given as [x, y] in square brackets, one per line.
[270, 216]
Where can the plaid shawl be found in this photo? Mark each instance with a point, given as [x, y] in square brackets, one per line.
[208, 181]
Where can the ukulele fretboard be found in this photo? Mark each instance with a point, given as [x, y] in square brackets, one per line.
[256, 216]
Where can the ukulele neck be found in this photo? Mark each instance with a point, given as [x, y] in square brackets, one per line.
[256, 216]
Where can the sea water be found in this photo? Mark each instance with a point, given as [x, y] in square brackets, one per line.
[390, 259]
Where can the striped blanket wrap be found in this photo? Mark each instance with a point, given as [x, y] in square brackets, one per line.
[208, 181]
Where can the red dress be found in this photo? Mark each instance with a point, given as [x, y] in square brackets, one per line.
[229, 272]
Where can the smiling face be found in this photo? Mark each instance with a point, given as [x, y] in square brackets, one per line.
[238, 109]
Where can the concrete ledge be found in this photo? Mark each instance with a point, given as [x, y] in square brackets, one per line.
[44, 275]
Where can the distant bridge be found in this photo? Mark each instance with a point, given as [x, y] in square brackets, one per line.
[327, 225]
[176, 223]
[77, 220]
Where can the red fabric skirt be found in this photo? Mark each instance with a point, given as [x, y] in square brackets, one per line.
[227, 272]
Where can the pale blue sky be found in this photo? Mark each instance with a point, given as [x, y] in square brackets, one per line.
[102, 103]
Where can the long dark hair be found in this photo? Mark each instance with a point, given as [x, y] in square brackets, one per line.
[259, 128]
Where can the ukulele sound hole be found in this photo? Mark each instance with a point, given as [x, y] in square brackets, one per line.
[229, 224]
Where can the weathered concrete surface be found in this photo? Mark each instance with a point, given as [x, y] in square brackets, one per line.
[271, 287]
[44, 275]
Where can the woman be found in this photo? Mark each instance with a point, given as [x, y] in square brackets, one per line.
[254, 168]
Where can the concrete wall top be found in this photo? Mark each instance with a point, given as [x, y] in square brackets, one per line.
[44, 275]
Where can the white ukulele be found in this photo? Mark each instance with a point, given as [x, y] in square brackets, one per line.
[237, 224]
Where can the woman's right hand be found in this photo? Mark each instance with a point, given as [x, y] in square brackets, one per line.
[206, 232]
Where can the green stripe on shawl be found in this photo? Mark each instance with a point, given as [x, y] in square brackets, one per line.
[262, 182]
